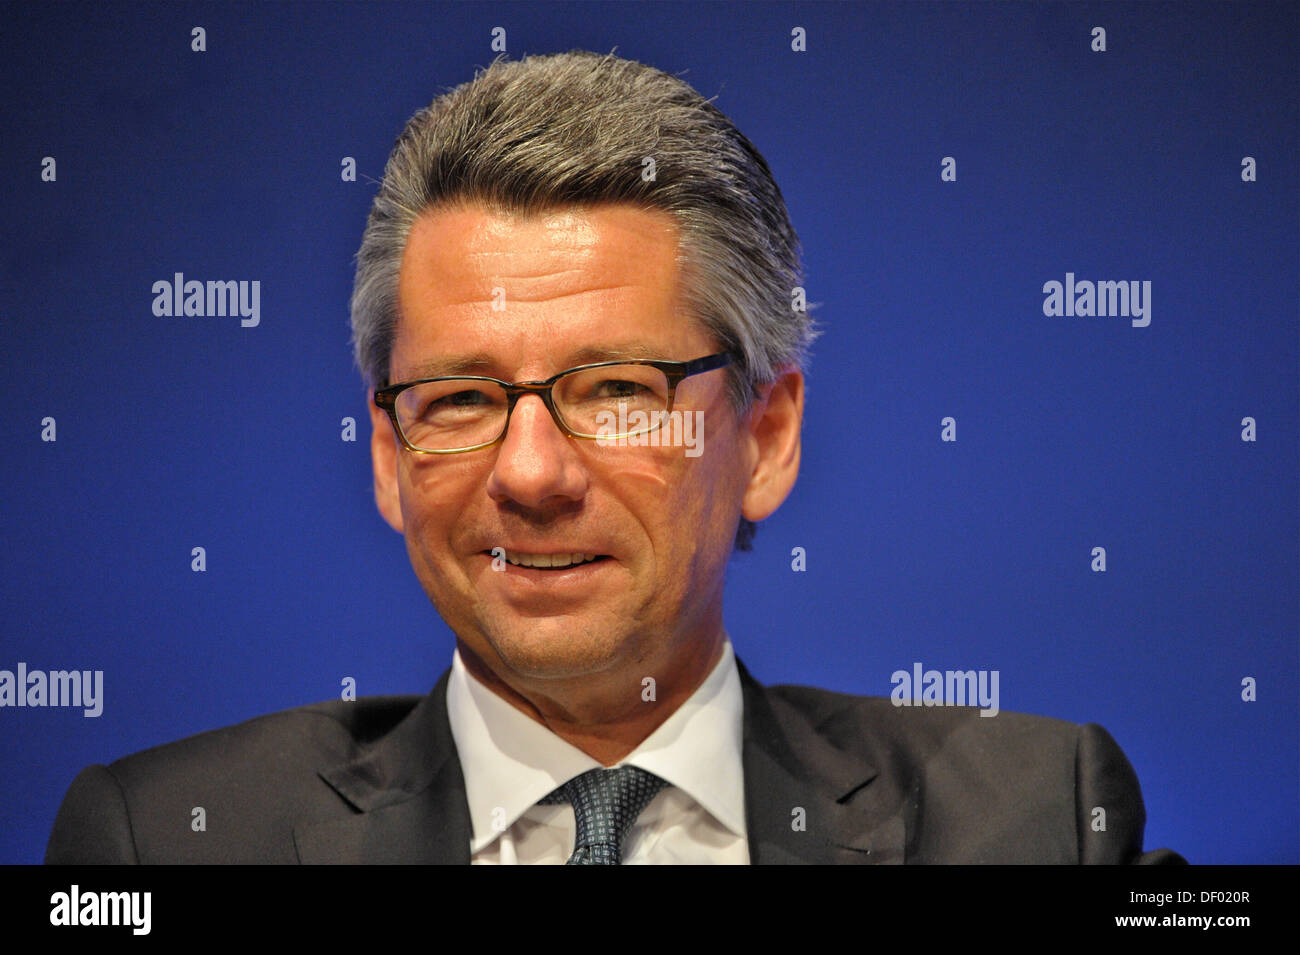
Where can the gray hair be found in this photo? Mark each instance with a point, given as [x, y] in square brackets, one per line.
[575, 128]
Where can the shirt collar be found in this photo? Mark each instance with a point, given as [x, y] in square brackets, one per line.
[510, 761]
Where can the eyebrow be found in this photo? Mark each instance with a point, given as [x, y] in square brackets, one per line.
[481, 363]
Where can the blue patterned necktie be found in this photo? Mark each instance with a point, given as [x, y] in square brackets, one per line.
[605, 804]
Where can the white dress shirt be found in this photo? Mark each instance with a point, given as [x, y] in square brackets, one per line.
[510, 761]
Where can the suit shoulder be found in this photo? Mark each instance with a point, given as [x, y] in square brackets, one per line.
[232, 794]
[1040, 752]
[830, 711]
[1007, 787]
[330, 730]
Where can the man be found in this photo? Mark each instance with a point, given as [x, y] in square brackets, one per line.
[573, 302]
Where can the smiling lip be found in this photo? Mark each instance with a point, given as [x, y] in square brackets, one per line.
[558, 560]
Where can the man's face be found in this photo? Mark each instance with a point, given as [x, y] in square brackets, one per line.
[570, 287]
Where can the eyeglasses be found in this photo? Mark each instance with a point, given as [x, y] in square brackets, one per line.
[453, 414]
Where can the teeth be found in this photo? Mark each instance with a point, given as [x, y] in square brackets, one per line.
[547, 560]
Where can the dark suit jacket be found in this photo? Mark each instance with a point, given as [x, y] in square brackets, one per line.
[379, 780]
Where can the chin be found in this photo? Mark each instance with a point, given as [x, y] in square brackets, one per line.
[557, 647]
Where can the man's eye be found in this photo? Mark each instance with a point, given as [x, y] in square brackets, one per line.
[468, 400]
[462, 399]
[619, 388]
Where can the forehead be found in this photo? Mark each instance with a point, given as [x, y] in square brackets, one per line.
[455, 249]
[532, 287]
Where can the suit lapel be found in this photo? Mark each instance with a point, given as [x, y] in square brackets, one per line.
[409, 794]
[806, 799]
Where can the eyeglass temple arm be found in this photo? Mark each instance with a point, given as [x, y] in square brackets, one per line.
[707, 363]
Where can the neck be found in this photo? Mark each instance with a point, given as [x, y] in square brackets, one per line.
[609, 717]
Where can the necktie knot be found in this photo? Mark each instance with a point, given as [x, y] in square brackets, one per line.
[606, 802]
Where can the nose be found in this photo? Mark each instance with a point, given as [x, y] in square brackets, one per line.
[536, 464]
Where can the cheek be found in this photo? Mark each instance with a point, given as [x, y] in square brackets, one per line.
[720, 480]
[643, 480]
[685, 503]
[434, 493]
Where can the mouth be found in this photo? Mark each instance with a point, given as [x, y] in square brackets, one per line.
[558, 561]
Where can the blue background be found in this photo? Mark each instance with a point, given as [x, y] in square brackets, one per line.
[1072, 432]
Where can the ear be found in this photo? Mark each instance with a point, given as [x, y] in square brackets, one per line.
[775, 429]
[384, 449]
